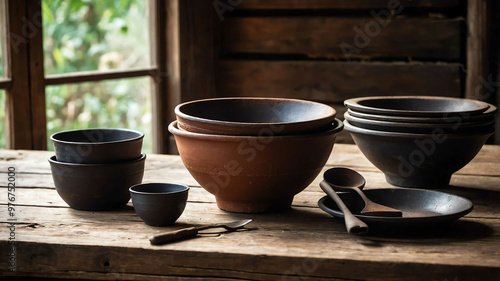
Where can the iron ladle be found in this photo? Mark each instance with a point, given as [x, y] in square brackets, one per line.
[345, 179]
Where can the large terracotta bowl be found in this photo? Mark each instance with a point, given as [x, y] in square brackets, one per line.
[254, 116]
[416, 106]
[254, 174]
[457, 126]
[418, 160]
[97, 146]
[96, 187]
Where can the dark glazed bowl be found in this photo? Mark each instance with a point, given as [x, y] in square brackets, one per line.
[457, 126]
[254, 116]
[97, 146]
[254, 174]
[418, 160]
[421, 106]
[487, 116]
[159, 204]
[96, 187]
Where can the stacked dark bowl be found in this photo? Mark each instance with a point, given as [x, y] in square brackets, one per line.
[419, 141]
[93, 168]
[254, 154]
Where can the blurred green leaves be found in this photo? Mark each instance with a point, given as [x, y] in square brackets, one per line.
[88, 35]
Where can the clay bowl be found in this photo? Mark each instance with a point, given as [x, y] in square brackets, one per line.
[487, 116]
[254, 116]
[96, 187]
[159, 204]
[97, 146]
[418, 160]
[417, 106]
[422, 128]
[249, 174]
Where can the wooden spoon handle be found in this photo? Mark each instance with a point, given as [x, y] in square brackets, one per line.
[352, 223]
[172, 236]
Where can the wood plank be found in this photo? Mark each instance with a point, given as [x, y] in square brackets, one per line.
[339, 37]
[36, 73]
[340, 4]
[332, 82]
[91, 76]
[18, 126]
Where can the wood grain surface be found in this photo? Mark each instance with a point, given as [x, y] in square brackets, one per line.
[53, 240]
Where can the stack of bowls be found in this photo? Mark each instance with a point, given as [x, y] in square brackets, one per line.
[419, 141]
[254, 154]
[93, 168]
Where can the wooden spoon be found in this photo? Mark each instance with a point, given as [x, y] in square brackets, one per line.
[352, 223]
[345, 179]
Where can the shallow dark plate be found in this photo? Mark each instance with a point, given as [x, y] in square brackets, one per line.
[421, 208]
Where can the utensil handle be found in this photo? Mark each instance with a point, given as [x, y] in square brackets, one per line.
[352, 223]
[172, 236]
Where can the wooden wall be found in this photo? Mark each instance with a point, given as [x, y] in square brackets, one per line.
[330, 50]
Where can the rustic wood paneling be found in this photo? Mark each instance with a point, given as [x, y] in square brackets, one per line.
[342, 4]
[344, 38]
[335, 37]
[336, 81]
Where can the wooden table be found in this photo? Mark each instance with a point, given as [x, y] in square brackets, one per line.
[52, 240]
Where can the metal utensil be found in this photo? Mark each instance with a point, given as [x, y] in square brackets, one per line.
[184, 233]
[353, 224]
[345, 179]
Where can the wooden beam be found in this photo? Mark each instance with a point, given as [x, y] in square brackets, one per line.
[339, 37]
[5, 83]
[90, 76]
[333, 82]
[18, 115]
[478, 36]
[341, 4]
[36, 74]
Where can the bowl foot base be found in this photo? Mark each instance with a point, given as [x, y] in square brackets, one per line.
[419, 182]
[274, 205]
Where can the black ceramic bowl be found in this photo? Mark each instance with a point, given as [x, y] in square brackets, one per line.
[421, 106]
[159, 204]
[418, 160]
[96, 187]
[97, 146]
[455, 126]
[254, 116]
[487, 116]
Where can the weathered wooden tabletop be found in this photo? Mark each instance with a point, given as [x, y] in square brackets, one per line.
[304, 243]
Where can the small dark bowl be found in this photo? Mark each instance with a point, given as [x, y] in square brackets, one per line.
[422, 106]
[97, 146]
[254, 116]
[457, 126]
[418, 160]
[159, 204]
[96, 187]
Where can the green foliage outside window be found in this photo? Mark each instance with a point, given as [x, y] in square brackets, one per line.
[88, 35]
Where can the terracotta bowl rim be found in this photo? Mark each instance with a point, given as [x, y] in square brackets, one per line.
[173, 128]
[355, 104]
[139, 136]
[354, 129]
[185, 116]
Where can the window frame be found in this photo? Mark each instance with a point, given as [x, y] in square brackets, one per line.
[25, 80]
